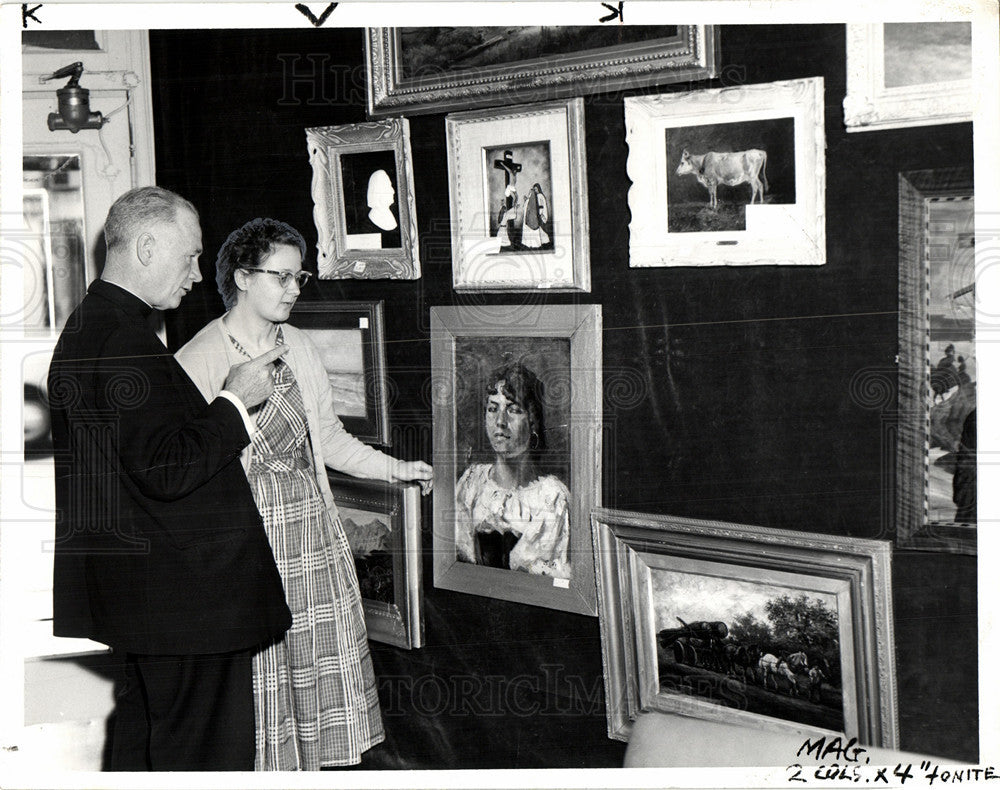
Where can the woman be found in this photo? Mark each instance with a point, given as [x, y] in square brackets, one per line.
[314, 691]
[536, 214]
[508, 514]
[507, 216]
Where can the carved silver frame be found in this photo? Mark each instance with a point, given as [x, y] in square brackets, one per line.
[624, 545]
[695, 56]
[792, 235]
[474, 268]
[335, 260]
[869, 105]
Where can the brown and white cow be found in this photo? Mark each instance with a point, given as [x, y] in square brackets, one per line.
[731, 169]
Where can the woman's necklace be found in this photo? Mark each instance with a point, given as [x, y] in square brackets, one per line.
[278, 339]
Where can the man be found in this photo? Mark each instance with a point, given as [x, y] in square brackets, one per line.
[160, 551]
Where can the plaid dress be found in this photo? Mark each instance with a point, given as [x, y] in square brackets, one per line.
[315, 700]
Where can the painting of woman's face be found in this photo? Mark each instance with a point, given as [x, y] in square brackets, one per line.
[507, 425]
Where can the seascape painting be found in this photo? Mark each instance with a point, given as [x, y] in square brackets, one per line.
[715, 170]
[921, 53]
[342, 352]
[755, 646]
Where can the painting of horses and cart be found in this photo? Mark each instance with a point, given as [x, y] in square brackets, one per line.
[773, 629]
[757, 647]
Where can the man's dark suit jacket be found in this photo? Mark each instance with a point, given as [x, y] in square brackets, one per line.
[159, 546]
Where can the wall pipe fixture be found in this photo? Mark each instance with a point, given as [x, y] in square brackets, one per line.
[74, 103]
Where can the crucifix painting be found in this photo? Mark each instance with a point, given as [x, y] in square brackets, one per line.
[519, 201]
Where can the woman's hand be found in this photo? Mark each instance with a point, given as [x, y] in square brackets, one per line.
[418, 472]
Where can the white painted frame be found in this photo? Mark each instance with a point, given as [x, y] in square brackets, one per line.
[475, 267]
[869, 105]
[776, 234]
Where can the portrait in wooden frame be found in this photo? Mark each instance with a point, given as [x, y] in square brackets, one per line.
[527, 541]
[727, 176]
[350, 337]
[518, 197]
[771, 629]
[382, 524]
[363, 201]
[908, 74]
[936, 492]
[434, 69]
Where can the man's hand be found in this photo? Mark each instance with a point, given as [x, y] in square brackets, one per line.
[416, 471]
[252, 381]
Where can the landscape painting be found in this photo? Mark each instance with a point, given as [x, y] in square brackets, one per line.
[381, 522]
[369, 534]
[438, 69]
[429, 51]
[754, 646]
[715, 170]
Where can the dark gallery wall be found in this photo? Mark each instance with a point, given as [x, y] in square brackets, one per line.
[731, 393]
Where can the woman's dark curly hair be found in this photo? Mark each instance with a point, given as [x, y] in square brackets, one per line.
[248, 247]
[520, 385]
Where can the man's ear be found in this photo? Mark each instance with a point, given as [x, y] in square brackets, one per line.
[144, 245]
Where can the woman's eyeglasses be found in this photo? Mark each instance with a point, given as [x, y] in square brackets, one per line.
[284, 278]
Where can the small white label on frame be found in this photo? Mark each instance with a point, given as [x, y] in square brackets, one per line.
[563, 583]
[363, 322]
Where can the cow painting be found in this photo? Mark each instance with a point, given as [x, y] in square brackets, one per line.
[732, 169]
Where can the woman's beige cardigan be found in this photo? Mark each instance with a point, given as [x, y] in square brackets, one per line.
[209, 355]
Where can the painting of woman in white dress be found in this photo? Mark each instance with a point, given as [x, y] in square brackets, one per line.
[510, 513]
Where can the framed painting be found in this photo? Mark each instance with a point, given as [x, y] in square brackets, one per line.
[363, 201]
[382, 524]
[518, 192]
[729, 176]
[438, 69]
[771, 629]
[908, 74]
[351, 342]
[936, 491]
[517, 451]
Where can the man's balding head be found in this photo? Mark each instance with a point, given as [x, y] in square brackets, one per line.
[138, 210]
